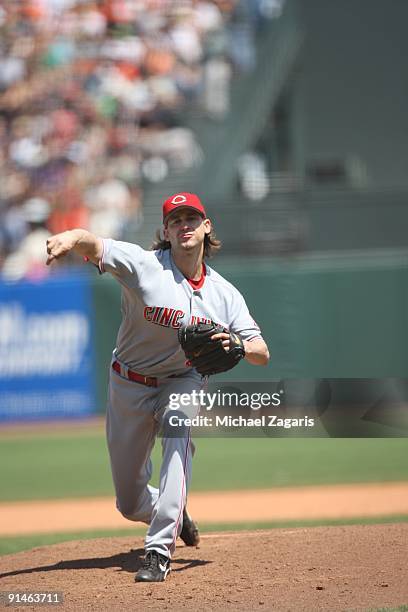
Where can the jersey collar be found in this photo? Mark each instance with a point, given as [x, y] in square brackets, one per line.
[186, 281]
[197, 284]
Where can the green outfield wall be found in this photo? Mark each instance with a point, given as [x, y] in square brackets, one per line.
[342, 316]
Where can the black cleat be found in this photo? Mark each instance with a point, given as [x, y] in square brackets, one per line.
[154, 569]
[189, 533]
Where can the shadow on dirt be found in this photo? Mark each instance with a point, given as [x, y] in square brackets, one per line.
[125, 562]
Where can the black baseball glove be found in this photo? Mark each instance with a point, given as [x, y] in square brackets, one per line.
[209, 356]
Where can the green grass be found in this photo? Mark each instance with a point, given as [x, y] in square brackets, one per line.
[257, 463]
[403, 608]
[15, 544]
[10, 545]
[77, 465]
[54, 467]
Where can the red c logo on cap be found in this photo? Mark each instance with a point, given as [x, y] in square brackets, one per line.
[178, 199]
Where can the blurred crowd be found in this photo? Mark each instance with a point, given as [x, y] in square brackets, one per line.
[93, 94]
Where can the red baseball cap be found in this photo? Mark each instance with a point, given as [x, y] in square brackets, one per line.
[183, 200]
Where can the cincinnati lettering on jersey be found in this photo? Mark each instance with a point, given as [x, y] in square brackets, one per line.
[194, 320]
[169, 317]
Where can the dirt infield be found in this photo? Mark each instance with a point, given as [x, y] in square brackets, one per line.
[284, 504]
[328, 568]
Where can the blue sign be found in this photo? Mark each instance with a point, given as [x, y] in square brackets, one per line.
[46, 349]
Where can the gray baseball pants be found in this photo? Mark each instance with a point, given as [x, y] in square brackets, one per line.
[135, 416]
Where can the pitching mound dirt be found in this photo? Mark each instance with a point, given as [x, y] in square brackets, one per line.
[330, 568]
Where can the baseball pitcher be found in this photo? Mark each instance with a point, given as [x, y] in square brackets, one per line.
[181, 323]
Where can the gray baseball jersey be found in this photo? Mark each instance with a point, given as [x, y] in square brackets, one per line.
[156, 301]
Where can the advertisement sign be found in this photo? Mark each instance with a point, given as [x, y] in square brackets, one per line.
[46, 355]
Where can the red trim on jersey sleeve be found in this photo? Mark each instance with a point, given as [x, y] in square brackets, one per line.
[87, 260]
[197, 284]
